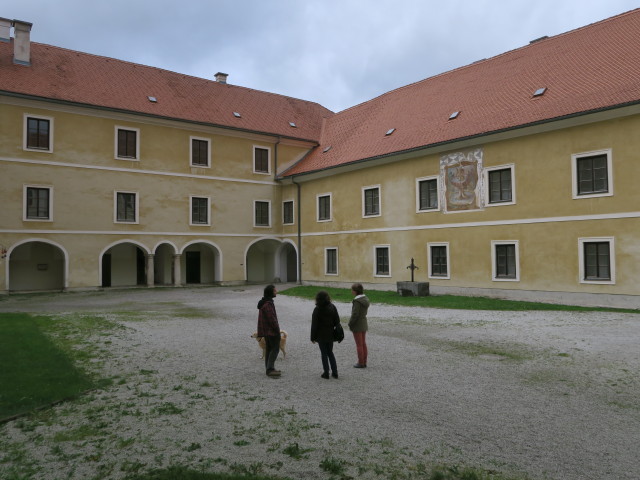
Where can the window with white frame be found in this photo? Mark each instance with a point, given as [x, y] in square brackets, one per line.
[499, 185]
[200, 210]
[371, 201]
[38, 133]
[126, 207]
[262, 213]
[287, 212]
[597, 260]
[592, 174]
[200, 152]
[127, 143]
[38, 201]
[438, 260]
[427, 194]
[331, 261]
[324, 207]
[261, 160]
[382, 261]
[505, 260]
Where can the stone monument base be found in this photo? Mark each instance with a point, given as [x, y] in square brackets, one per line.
[413, 289]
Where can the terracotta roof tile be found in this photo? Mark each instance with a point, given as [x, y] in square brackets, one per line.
[67, 75]
[591, 68]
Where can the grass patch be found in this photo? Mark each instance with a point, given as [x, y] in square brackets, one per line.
[444, 301]
[36, 371]
[183, 473]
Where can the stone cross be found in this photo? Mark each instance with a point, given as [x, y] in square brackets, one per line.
[413, 267]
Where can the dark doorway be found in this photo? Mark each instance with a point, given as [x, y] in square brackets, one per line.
[193, 267]
[141, 267]
[106, 270]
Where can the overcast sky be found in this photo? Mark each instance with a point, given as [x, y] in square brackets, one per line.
[335, 52]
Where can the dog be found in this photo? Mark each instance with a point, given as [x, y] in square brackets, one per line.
[283, 343]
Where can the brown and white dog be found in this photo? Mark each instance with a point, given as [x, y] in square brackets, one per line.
[283, 342]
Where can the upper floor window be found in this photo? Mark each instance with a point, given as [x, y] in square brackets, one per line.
[127, 143]
[371, 201]
[126, 208]
[287, 212]
[505, 261]
[262, 215]
[331, 261]
[427, 194]
[438, 260]
[200, 152]
[37, 203]
[382, 261]
[592, 174]
[38, 133]
[324, 207]
[597, 260]
[261, 162]
[200, 211]
[499, 185]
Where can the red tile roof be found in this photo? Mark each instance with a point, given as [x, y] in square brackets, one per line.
[66, 75]
[593, 67]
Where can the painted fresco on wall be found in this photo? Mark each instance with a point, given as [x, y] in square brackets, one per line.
[460, 172]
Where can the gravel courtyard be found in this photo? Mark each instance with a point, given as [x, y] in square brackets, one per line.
[540, 395]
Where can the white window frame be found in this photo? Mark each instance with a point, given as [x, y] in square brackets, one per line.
[424, 179]
[375, 260]
[574, 173]
[438, 244]
[202, 139]
[293, 212]
[115, 207]
[254, 214]
[132, 129]
[494, 244]
[326, 250]
[25, 218]
[253, 166]
[330, 207]
[485, 182]
[208, 222]
[612, 260]
[25, 133]
[371, 187]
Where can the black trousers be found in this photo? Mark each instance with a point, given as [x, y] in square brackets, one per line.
[326, 353]
[272, 347]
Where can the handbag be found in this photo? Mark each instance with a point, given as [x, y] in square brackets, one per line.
[338, 333]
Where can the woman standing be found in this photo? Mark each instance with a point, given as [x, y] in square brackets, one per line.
[358, 323]
[325, 317]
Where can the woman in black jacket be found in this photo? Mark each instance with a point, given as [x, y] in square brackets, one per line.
[324, 319]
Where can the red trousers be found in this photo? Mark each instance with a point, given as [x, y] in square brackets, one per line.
[361, 346]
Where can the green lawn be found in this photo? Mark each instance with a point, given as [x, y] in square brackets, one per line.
[442, 301]
[34, 371]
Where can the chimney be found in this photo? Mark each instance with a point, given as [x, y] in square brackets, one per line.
[221, 77]
[5, 29]
[22, 42]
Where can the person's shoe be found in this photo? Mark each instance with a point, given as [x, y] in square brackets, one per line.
[358, 365]
[334, 374]
[274, 373]
[325, 375]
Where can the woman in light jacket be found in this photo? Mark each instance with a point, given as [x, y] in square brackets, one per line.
[358, 323]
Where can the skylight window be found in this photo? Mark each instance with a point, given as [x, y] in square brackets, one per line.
[390, 131]
[292, 124]
[153, 99]
[454, 115]
[539, 92]
[237, 115]
[326, 149]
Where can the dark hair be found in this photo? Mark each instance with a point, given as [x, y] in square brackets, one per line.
[357, 287]
[269, 291]
[322, 298]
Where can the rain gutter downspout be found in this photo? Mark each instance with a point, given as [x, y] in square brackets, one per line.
[299, 216]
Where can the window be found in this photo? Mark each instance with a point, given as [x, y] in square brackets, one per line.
[438, 260]
[371, 201]
[382, 261]
[592, 174]
[331, 261]
[505, 261]
[262, 215]
[499, 185]
[38, 133]
[324, 207]
[287, 212]
[427, 194]
[127, 144]
[200, 152]
[596, 260]
[260, 160]
[126, 207]
[200, 211]
[37, 203]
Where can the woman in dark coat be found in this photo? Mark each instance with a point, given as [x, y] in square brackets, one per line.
[325, 317]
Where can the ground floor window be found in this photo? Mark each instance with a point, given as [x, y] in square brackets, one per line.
[505, 260]
[331, 261]
[438, 260]
[382, 261]
[596, 260]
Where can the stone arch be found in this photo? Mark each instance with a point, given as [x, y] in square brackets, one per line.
[268, 260]
[37, 264]
[164, 272]
[123, 264]
[201, 262]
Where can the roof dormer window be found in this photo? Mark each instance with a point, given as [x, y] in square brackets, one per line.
[539, 92]
[454, 115]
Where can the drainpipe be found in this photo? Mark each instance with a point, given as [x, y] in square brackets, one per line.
[275, 160]
[299, 216]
